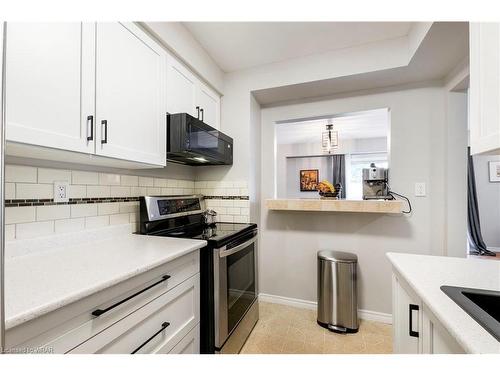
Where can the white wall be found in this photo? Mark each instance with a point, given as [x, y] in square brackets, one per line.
[238, 88]
[289, 241]
[488, 196]
[255, 157]
[292, 180]
[456, 172]
[287, 169]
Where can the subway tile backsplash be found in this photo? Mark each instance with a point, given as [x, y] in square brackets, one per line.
[100, 199]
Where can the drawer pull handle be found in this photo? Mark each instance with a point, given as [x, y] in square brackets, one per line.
[104, 124]
[164, 325]
[91, 120]
[412, 308]
[99, 312]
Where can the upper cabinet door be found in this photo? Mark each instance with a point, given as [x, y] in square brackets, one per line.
[49, 84]
[484, 92]
[209, 102]
[130, 94]
[181, 89]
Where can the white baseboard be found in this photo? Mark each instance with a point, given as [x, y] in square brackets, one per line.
[300, 303]
[311, 305]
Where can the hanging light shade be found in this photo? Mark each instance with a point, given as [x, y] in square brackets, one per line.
[329, 139]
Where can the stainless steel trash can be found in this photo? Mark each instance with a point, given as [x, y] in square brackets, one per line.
[337, 291]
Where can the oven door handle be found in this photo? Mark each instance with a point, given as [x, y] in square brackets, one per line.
[223, 252]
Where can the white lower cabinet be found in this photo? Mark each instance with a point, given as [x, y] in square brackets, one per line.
[157, 326]
[154, 312]
[190, 344]
[435, 338]
[405, 316]
[415, 329]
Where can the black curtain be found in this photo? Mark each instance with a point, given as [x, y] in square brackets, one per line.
[474, 226]
[339, 172]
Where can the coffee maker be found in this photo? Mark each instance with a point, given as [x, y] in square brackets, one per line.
[376, 183]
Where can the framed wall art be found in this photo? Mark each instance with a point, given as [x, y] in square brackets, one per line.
[309, 179]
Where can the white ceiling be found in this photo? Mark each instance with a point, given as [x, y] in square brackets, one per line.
[241, 45]
[445, 45]
[366, 124]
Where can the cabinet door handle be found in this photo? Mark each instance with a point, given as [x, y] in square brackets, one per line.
[91, 120]
[198, 112]
[411, 309]
[104, 124]
[99, 312]
[164, 326]
[201, 110]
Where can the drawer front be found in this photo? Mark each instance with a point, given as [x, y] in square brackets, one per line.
[146, 330]
[61, 334]
[190, 344]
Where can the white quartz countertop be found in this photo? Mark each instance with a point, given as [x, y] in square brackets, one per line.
[425, 274]
[38, 282]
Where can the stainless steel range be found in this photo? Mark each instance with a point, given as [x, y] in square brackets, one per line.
[228, 267]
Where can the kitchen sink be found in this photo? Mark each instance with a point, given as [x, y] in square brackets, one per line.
[482, 305]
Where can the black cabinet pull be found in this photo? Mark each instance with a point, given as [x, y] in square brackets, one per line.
[164, 325]
[201, 110]
[198, 112]
[99, 312]
[104, 123]
[91, 119]
[411, 309]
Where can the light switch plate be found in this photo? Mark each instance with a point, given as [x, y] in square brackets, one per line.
[420, 189]
[61, 191]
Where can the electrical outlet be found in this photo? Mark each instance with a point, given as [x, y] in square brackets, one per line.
[420, 189]
[61, 191]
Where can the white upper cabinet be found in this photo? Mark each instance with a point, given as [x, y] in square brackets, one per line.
[92, 88]
[187, 94]
[49, 84]
[484, 92]
[130, 94]
[181, 89]
[209, 103]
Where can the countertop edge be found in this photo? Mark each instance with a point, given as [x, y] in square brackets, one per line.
[32, 314]
[451, 330]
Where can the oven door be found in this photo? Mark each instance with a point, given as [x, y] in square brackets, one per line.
[235, 285]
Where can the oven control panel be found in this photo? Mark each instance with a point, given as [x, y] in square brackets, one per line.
[165, 207]
[175, 206]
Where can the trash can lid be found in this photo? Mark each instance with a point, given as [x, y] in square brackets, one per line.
[337, 256]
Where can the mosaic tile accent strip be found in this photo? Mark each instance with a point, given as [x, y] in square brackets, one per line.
[50, 202]
[237, 197]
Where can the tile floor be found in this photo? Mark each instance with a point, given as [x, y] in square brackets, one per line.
[289, 330]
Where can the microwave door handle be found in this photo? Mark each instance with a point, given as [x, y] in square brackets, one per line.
[224, 253]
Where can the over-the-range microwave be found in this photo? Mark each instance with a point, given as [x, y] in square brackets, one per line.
[190, 141]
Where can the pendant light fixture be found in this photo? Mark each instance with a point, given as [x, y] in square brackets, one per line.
[329, 139]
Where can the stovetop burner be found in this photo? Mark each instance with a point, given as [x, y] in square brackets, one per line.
[217, 233]
[181, 217]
